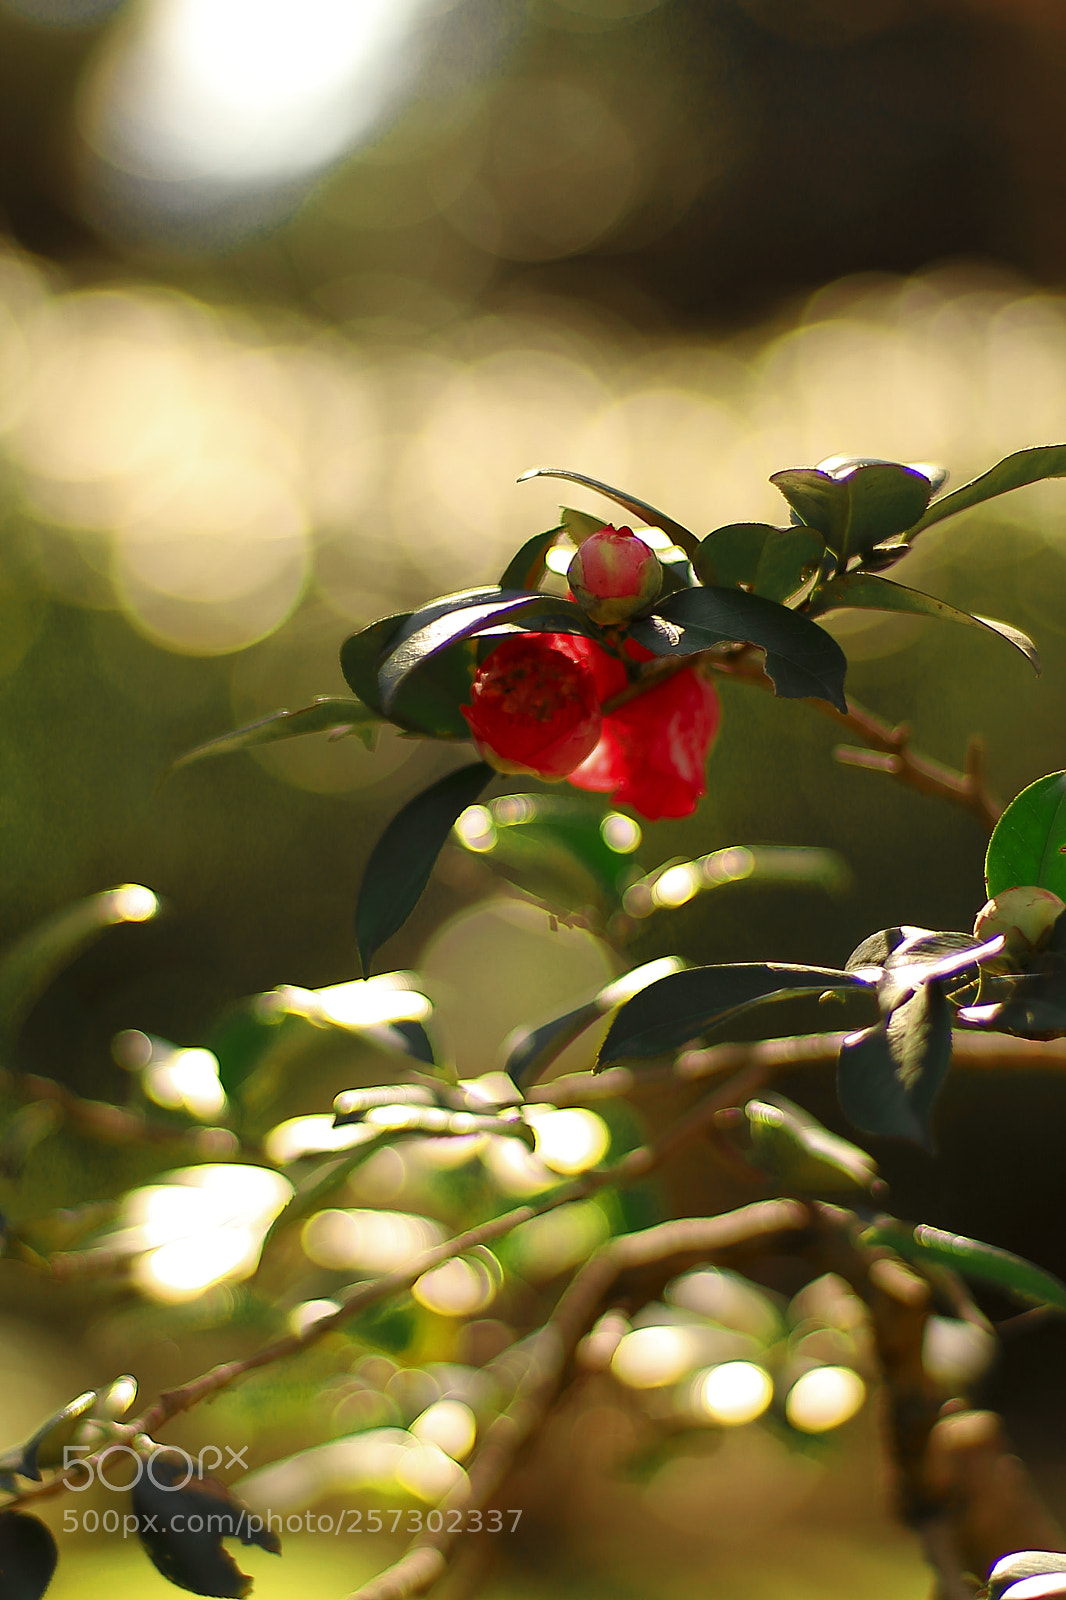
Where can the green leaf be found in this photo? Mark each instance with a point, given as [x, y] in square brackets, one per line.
[28, 966]
[639, 509]
[1028, 843]
[800, 1154]
[801, 658]
[532, 613]
[875, 950]
[1037, 1008]
[986, 1263]
[182, 1524]
[556, 847]
[526, 567]
[430, 703]
[668, 1014]
[857, 510]
[328, 714]
[28, 1556]
[534, 1049]
[580, 525]
[1013, 472]
[678, 883]
[401, 862]
[888, 1076]
[1026, 1564]
[773, 562]
[863, 591]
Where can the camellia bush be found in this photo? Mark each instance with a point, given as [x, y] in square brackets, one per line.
[592, 664]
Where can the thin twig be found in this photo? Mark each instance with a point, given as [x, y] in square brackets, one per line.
[666, 1250]
[891, 744]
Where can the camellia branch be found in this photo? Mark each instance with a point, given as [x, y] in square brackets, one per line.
[888, 746]
[663, 1251]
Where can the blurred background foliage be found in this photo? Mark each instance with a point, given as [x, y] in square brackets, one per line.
[289, 296]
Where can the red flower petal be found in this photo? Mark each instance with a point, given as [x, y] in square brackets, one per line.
[534, 709]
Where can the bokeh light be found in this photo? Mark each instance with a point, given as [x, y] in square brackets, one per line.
[733, 1393]
[824, 1398]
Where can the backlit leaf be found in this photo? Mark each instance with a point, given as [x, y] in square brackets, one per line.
[28, 966]
[864, 591]
[639, 509]
[401, 862]
[773, 562]
[888, 1076]
[526, 567]
[986, 1263]
[45, 1447]
[857, 510]
[1013, 472]
[800, 1154]
[801, 658]
[328, 714]
[1028, 843]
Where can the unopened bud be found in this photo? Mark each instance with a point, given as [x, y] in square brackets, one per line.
[614, 575]
[1025, 917]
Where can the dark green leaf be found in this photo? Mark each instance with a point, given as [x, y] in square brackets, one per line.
[28, 966]
[801, 658]
[638, 509]
[875, 951]
[986, 1263]
[888, 1076]
[328, 714]
[1028, 843]
[795, 1150]
[681, 1007]
[858, 510]
[401, 862]
[534, 1049]
[773, 562]
[28, 1556]
[526, 567]
[864, 591]
[1013, 472]
[429, 703]
[1025, 1564]
[168, 1508]
[534, 613]
[843, 466]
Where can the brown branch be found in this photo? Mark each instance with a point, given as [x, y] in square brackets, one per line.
[664, 1251]
[971, 1049]
[889, 747]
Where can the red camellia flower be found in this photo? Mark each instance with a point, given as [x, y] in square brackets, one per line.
[653, 749]
[534, 708]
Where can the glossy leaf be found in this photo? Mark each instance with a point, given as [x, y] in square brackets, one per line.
[668, 1014]
[168, 1509]
[328, 714]
[639, 509]
[534, 613]
[534, 1049]
[801, 1155]
[1024, 1564]
[430, 703]
[889, 1076]
[843, 466]
[401, 862]
[985, 1263]
[770, 865]
[772, 562]
[28, 1556]
[28, 966]
[875, 950]
[557, 848]
[526, 567]
[864, 591]
[1028, 843]
[352, 1105]
[801, 658]
[1013, 472]
[856, 511]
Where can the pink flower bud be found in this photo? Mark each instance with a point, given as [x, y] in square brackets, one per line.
[1024, 915]
[614, 575]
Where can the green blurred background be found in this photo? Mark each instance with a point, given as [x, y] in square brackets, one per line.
[289, 296]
